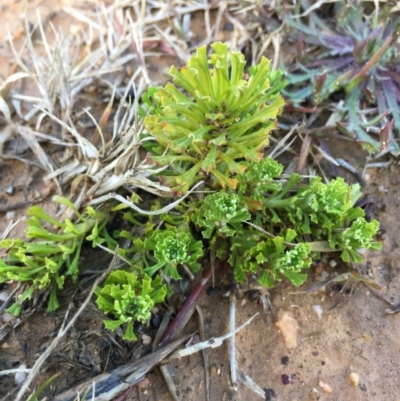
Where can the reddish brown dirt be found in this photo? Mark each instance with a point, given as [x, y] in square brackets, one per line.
[354, 334]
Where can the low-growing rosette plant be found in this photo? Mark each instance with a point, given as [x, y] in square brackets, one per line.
[355, 49]
[129, 297]
[221, 214]
[211, 117]
[173, 247]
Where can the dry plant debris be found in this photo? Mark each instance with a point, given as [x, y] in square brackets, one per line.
[109, 59]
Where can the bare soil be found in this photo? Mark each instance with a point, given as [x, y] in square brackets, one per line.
[354, 333]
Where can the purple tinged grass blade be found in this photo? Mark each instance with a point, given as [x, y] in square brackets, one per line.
[370, 63]
[342, 44]
[331, 64]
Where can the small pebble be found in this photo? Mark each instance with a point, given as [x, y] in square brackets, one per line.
[363, 251]
[318, 270]
[288, 326]
[10, 190]
[332, 263]
[4, 296]
[354, 379]
[213, 370]
[285, 360]
[382, 188]
[10, 215]
[318, 309]
[324, 275]
[243, 302]
[146, 340]
[144, 384]
[20, 376]
[270, 394]
[326, 388]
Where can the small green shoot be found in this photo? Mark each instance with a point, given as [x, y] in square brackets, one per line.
[129, 299]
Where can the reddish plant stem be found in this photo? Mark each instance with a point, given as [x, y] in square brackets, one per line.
[188, 305]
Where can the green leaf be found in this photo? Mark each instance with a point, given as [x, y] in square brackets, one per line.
[53, 301]
[113, 324]
[173, 247]
[129, 334]
[209, 162]
[40, 214]
[295, 278]
[67, 202]
[14, 309]
[266, 280]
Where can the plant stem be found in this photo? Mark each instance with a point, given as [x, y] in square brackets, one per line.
[175, 324]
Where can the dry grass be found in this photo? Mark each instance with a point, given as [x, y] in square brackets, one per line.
[105, 54]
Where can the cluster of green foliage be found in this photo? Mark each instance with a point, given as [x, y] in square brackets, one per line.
[356, 52]
[50, 256]
[212, 125]
[129, 297]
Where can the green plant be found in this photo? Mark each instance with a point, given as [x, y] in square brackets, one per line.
[285, 226]
[258, 220]
[129, 298]
[355, 49]
[219, 116]
[50, 256]
[221, 214]
[173, 247]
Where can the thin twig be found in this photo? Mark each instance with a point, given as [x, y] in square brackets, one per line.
[210, 343]
[204, 351]
[7, 231]
[251, 384]
[232, 346]
[353, 170]
[6, 302]
[163, 326]
[169, 381]
[11, 371]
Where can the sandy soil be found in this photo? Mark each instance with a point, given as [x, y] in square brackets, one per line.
[353, 334]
